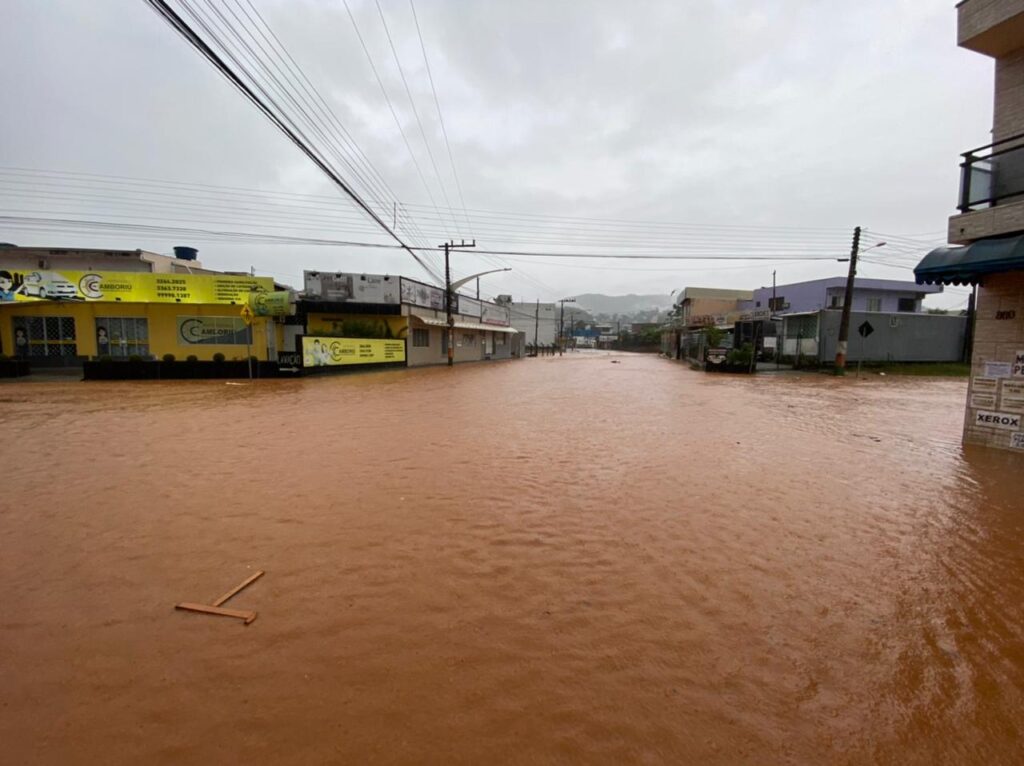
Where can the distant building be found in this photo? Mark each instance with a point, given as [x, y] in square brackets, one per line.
[710, 306]
[877, 295]
[886, 336]
[802, 321]
[406, 312]
[540, 322]
[990, 226]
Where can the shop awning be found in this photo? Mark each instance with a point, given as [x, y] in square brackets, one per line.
[968, 264]
[464, 325]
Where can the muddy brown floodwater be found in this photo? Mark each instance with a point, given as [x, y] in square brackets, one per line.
[544, 561]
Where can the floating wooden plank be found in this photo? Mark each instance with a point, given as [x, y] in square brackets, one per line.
[249, 581]
[218, 610]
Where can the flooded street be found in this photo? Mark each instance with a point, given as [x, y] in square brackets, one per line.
[545, 561]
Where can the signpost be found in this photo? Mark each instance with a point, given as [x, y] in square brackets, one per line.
[247, 318]
[863, 330]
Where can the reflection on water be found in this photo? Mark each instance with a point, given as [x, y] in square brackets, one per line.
[541, 561]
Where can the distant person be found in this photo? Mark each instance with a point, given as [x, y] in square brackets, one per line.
[102, 340]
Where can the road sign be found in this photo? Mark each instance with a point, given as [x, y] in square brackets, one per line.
[865, 329]
[246, 314]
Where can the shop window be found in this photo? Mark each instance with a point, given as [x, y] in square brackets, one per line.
[122, 336]
[421, 338]
[468, 340]
[874, 304]
[499, 339]
[44, 336]
[907, 304]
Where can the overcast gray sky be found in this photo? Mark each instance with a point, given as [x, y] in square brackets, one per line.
[813, 116]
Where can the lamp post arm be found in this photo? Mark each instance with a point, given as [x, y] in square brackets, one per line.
[467, 280]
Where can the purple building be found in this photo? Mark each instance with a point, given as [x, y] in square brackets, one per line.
[885, 295]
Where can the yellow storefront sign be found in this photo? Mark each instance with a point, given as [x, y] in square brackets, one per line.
[131, 287]
[331, 352]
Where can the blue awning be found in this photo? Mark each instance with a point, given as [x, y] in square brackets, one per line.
[968, 264]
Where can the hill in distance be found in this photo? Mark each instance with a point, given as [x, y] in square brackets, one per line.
[597, 303]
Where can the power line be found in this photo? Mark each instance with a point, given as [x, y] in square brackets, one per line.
[182, 27]
[280, 87]
[23, 221]
[415, 112]
[316, 93]
[726, 232]
[440, 117]
[391, 108]
[267, 210]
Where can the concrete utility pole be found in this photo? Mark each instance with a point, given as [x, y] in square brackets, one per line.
[561, 324]
[844, 322]
[448, 294]
[536, 326]
[771, 318]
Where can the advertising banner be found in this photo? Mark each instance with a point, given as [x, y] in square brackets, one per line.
[332, 352]
[343, 287]
[419, 294]
[275, 304]
[469, 307]
[129, 287]
[212, 331]
[375, 288]
[327, 287]
[494, 314]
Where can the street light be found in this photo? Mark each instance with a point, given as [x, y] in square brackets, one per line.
[877, 244]
[467, 280]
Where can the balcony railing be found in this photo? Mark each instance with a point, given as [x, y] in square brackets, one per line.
[991, 174]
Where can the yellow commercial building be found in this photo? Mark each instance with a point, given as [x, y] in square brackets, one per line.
[66, 317]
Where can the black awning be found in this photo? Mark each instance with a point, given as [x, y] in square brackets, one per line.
[967, 265]
[306, 306]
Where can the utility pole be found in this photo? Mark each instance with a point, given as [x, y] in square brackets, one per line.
[844, 322]
[478, 288]
[536, 326]
[561, 328]
[448, 295]
[561, 324]
[772, 320]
